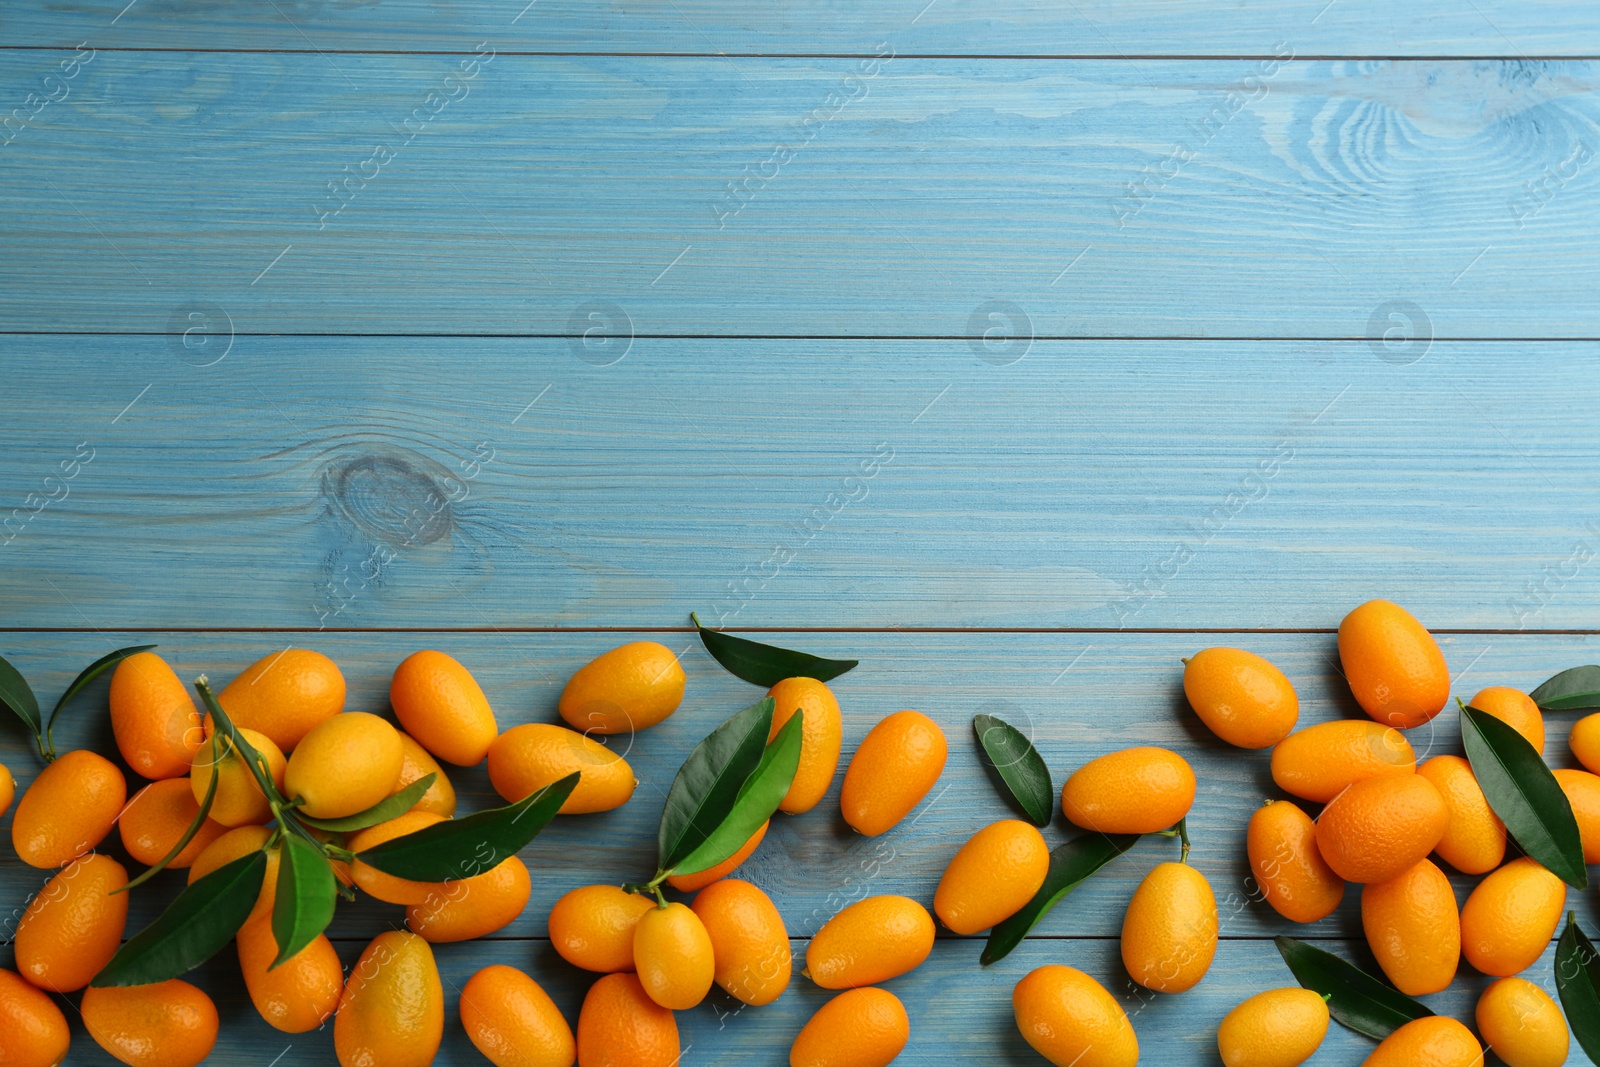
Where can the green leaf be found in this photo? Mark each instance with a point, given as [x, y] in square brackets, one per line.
[1578, 985]
[462, 848]
[758, 798]
[1355, 998]
[1017, 767]
[303, 907]
[202, 920]
[1526, 796]
[708, 783]
[183, 842]
[89, 674]
[382, 811]
[16, 694]
[766, 665]
[1070, 865]
[1577, 689]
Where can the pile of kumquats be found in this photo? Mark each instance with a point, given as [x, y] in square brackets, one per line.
[279, 803]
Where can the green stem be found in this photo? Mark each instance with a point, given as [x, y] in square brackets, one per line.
[661, 901]
[1183, 835]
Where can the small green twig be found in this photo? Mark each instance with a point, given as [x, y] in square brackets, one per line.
[1183, 835]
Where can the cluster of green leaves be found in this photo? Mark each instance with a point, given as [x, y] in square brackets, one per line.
[17, 696]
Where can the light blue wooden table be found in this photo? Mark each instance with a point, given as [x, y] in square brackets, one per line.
[1157, 323]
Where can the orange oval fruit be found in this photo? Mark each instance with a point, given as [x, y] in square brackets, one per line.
[1169, 933]
[345, 764]
[632, 687]
[73, 926]
[592, 927]
[1072, 1021]
[620, 1026]
[1134, 791]
[440, 703]
[1414, 929]
[513, 1021]
[417, 763]
[8, 789]
[672, 955]
[1584, 740]
[1510, 917]
[153, 717]
[1393, 665]
[1433, 1041]
[870, 941]
[1278, 1028]
[1514, 708]
[892, 770]
[1281, 842]
[301, 993]
[857, 1028]
[529, 757]
[231, 846]
[239, 800]
[1321, 761]
[388, 887]
[33, 1031]
[1583, 794]
[167, 1024]
[1241, 697]
[473, 907]
[1522, 1024]
[993, 875]
[1380, 827]
[392, 1009]
[68, 809]
[688, 883]
[1475, 840]
[156, 819]
[749, 943]
[821, 738]
[284, 695]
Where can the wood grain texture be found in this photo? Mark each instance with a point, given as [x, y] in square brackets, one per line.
[1005, 27]
[794, 483]
[1077, 695]
[699, 196]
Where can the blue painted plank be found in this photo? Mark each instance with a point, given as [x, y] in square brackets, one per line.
[351, 194]
[793, 483]
[1077, 695]
[1003, 27]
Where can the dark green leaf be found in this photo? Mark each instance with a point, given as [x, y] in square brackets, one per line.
[709, 781]
[461, 848]
[90, 673]
[758, 798]
[303, 907]
[766, 665]
[1019, 770]
[1578, 984]
[183, 842]
[16, 694]
[1355, 998]
[1577, 689]
[202, 920]
[1526, 796]
[1070, 865]
[383, 811]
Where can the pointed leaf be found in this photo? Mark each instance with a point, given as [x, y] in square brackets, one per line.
[461, 848]
[183, 842]
[1355, 998]
[1017, 767]
[91, 672]
[202, 920]
[1578, 985]
[758, 798]
[1577, 689]
[1526, 796]
[16, 694]
[708, 783]
[383, 811]
[766, 665]
[303, 907]
[1070, 865]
